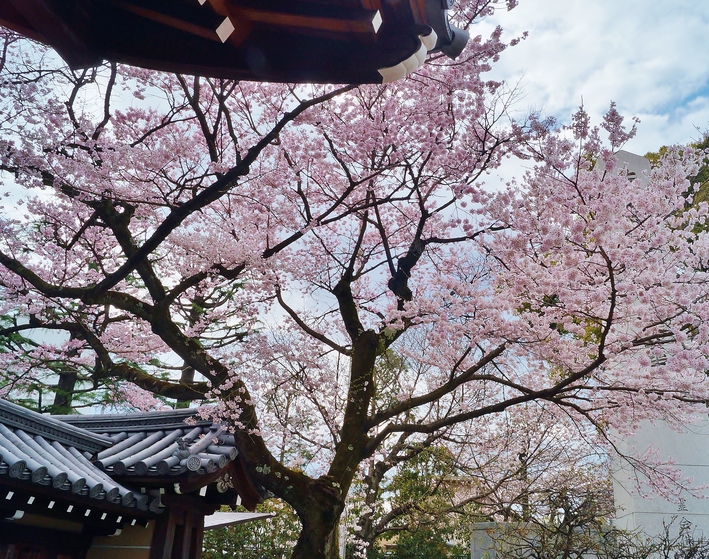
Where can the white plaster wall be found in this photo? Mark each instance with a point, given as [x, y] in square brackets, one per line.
[481, 545]
[690, 451]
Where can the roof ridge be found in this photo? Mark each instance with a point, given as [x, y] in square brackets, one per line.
[142, 421]
[52, 428]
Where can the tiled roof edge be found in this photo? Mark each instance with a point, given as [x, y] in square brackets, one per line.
[145, 421]
[52, 428]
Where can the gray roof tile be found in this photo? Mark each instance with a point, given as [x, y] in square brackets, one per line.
[100, 457]
[38, 453]
[165, 443]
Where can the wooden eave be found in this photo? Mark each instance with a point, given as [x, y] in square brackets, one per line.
[18, 499]
[330, 41]
[45, 21]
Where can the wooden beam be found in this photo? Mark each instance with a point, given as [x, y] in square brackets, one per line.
[197, 537]
[418, 8]
[196, 505]
[163, 536]
[372, 4]
[242, 28]
[186, 543]
[48, 501]
[331, 24]
[12, 19]
[243, 485]
[170, 21]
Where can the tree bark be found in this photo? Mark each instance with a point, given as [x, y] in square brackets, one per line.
[64, 394]
[320, 516]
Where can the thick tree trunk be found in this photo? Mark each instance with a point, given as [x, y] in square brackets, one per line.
[320, 518]
[315, 542]
[332, 546]
[320, 512]
[187, 377]
[319, 503]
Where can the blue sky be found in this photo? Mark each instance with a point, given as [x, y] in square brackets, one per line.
[649, 56]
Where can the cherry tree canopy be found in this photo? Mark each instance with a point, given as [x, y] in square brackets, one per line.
[329, 266]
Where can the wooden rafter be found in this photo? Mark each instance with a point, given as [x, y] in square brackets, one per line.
[307, 41]
[335, 25]
[170, 21]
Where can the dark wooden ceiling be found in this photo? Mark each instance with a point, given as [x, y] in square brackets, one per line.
[319, 41]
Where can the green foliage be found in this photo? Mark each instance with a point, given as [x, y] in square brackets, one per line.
[388, 369]
[421, 482]
[422, 491]
[273, 538]
[428, 542]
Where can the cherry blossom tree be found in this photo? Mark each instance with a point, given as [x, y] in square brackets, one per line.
[265, 248]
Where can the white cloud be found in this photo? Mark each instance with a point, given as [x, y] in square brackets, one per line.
[647, 55]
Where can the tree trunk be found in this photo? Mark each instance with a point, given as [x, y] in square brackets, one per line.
[319, 514]
[317, 541]
[64, 394]
[332, 545]
[187, 377]
[66, 386]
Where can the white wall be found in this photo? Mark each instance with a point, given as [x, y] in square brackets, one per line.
[690, 451]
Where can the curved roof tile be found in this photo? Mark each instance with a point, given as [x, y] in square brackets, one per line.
[99, 457]
[36, 450]
[162, 443]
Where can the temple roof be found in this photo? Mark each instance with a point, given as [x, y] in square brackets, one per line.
[325, 41]
[54, 457]
[126, 464]
[14, 416]
[168, 443]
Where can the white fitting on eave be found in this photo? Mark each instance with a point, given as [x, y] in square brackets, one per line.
[225, 29]
[377, 21]
[412, 63]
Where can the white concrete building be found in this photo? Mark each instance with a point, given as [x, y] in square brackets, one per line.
[689, 450]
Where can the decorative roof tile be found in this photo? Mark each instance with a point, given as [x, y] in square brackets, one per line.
[130, 422]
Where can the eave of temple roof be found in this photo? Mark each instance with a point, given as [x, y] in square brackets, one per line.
[173, 451]
[162, 443]
[327, 41]
[36, 452]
